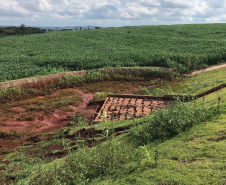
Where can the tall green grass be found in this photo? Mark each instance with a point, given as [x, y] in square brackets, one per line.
[172, 121]
[86, 164]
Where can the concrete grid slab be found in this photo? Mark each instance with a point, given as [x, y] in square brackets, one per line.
[122, 108]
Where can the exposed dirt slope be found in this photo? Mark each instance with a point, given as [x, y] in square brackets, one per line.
[47, 79]
[39, 81]
[42, 121]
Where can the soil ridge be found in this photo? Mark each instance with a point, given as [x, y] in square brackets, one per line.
[42, 80]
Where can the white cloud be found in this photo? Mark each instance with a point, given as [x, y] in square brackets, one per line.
[111, 12]
[143, 10]
[213, 19]
[9, 6]
[201, 7]
[44, 6]
[124, 14]
[169, 13]
[4, 19]
[220, 19]
[188, 12]
[4, 6]
[187, 18]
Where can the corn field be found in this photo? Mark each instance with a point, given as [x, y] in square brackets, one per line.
[186, 47]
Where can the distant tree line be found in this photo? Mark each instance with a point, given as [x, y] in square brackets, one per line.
[13, 30]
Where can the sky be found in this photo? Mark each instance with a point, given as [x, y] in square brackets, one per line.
[111, 13]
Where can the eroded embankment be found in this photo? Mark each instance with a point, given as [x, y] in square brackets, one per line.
[39, 82]
[36, 115]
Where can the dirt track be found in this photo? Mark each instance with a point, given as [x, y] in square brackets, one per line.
[205, 70]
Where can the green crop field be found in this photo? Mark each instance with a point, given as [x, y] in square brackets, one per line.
[185, 47]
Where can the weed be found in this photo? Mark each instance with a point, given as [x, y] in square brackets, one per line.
[87, 164]
[56, 141]
[100, 96]
[79, 120]
[65, 143]
[27, 117]
[157, 91]
[13, 133]
[144, 90]
[147, 154]
[156, 156]
[152, 82]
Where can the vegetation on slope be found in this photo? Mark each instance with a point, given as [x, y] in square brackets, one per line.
[184, 144]
[183, 47]
[124, 160]
[190, 86]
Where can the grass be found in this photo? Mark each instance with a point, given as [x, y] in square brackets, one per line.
[98, 96]
[212, 98]
[190, 86]
[204, 82]
[194, 157]
[172, 121]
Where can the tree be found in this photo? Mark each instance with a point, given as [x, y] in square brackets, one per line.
[22, 29]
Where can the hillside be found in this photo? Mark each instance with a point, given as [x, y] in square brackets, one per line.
[183, 47]
[181, 144]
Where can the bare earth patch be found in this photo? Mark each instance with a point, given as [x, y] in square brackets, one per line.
[41, 121]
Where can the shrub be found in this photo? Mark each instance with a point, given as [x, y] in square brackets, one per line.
[172, 121]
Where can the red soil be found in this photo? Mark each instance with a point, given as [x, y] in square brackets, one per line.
[19, 109]
[55, 120]
[43, 123]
